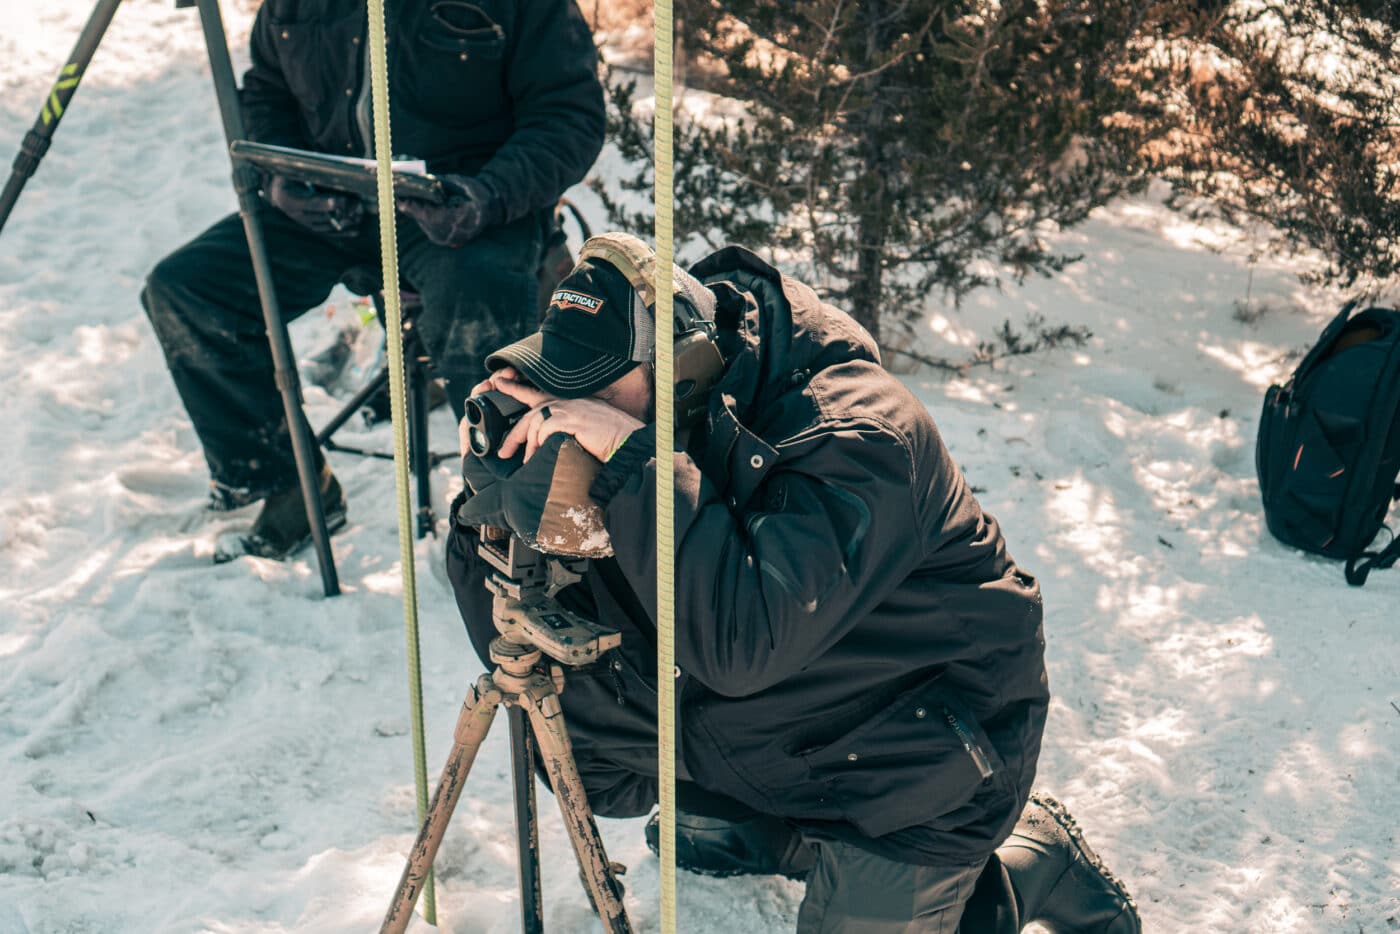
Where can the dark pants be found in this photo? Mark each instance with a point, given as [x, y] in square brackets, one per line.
[203, 303]
[855, 891]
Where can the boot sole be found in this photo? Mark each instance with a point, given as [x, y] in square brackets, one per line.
[335, 521]
[1060, 814]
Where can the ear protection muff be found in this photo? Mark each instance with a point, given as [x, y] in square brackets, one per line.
[698, 363]
[698, 366]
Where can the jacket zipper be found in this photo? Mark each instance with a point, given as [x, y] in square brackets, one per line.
[969, 743]
[614, 667]
[618, 664]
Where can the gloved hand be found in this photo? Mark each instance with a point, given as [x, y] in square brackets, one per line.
[331, 213]
[471, 207]
[545, 502]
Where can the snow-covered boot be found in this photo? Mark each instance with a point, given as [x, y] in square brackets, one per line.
[1059, 881]
[281, 528]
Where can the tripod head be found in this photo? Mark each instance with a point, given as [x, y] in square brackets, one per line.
[524, 584]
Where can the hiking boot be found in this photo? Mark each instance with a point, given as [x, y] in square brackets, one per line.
[282, 529]
[1059, 881]
[757, 845]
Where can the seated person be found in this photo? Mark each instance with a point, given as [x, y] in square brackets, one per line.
[502, 100]
[861, 683]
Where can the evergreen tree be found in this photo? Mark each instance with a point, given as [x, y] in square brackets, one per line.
[908, 145]
[901, 146]
[1289, 113]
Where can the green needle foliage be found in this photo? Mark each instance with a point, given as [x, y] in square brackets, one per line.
[901, 147]
[1288, 113]
[907, 145]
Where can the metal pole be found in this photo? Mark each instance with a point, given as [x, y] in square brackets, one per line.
[663, 46]
[36, 141]
[245, 183]
[393, 332]
[527, 833]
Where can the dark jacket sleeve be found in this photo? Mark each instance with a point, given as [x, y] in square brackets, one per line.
[271, 113]
[761, 595]
[558, 105]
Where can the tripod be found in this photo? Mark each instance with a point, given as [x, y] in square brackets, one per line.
[418, 375]
[531, 626]
[245, 182]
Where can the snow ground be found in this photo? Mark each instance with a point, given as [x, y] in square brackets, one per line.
[218, 749]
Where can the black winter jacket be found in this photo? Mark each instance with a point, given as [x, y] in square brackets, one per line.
[858, 651]
[506, 90]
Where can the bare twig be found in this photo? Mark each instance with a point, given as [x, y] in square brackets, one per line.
[938, 363]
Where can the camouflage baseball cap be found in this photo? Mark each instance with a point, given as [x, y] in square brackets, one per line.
[601, 319]
[596, 329]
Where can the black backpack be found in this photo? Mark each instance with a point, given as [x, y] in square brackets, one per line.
[1329, 443]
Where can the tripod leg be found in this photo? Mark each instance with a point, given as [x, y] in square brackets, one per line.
[356, 403]
[419, 458]
[284, 361]
[472, 725]
[547, 720]
[522, 761]
[36, 141]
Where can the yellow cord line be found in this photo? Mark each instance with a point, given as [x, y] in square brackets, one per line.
[384, 150]
[665, 469]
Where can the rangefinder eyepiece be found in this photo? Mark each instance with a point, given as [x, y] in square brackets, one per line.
[491, 416]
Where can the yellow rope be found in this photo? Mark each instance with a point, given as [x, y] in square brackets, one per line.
[383, 150]
[665, 470]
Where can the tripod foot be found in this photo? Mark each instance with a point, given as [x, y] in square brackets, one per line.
[618, 870]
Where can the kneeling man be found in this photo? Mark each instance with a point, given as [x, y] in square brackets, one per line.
[861, 680]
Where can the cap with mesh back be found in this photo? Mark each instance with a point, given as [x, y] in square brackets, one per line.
[597, 328]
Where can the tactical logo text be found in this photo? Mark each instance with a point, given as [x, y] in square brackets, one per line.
[563, 298]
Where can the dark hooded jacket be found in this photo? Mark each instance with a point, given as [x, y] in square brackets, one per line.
[506, 90]
[858, 652]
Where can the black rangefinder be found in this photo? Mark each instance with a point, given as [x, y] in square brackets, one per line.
[491, 416]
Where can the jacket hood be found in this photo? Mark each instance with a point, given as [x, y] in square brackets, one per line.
[774, 330]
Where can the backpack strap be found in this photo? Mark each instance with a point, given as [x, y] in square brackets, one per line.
[1358, 570]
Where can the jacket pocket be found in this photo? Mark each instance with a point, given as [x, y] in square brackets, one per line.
[920, 757]
[468, 30]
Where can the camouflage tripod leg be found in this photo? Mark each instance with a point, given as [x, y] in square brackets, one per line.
[516, 684]
[546, 717]
[473, 723]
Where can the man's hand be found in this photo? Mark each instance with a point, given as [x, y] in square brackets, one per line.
[330, 213]
[599, 428]
[470, 208]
